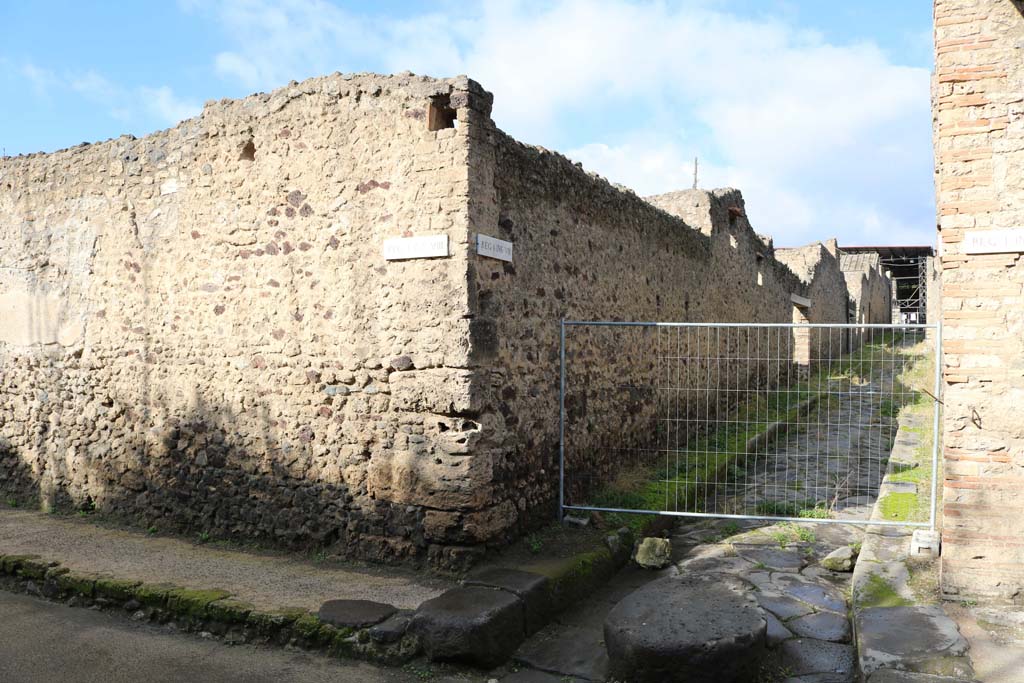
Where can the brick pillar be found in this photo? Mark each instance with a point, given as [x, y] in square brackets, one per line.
[977, 102]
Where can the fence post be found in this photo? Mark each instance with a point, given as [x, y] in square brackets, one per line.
[561, 421]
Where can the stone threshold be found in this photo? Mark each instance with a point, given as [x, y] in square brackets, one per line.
[901, 634]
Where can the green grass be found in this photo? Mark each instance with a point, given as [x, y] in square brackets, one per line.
[899, 507]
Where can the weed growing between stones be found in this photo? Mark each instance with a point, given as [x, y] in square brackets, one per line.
[535, 544]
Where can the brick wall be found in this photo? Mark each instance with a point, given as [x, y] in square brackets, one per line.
[978, 100]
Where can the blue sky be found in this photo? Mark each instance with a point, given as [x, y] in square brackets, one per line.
[817, 110]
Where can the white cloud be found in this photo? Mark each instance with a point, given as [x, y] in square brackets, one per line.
[822, 138]
[166, 106]
[42, 80]
[159, 104]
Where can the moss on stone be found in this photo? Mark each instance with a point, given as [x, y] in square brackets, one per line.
[268, 623]
[343, 643]
[121, 590]
[229, 610]
[34, 568]
[154, 594]
[310, 627]
[53, 573]
[11, 563]
[75, 583]
[192, 602]
[315, 632]
[877, 592]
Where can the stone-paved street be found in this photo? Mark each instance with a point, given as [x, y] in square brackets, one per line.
[833, 458]
[808, 630]
[836, 460]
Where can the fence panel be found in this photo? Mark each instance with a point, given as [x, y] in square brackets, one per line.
[754, 421]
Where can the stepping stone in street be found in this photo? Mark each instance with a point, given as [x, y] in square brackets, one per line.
[698, 629]
[806, 657]
[354, 613]
[822, 626]
[472, 624]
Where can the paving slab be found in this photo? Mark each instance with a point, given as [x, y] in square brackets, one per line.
[268, 581]
[534, 676]
[805, 656]
[822, 626]
[354, 613]
[910, 638]
[822, 678]
[569, 651]
[775, 559]
[782, 606]
[893, 676]
[777, 632]
[813, 593]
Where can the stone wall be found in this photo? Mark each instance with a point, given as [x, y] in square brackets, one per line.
[201, 333]
[817, 266]
[870, 290]
[979, 151]
[585, 250]
[870, 293]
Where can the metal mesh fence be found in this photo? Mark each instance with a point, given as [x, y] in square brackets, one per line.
[753, 421]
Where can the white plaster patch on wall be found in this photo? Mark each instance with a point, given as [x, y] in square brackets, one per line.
[37, 318]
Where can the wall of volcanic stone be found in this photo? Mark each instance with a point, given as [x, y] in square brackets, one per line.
[199, 331]
[587, 250]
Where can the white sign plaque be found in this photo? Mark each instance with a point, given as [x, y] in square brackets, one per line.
[425, 246]
[994, 241]
[493, 247]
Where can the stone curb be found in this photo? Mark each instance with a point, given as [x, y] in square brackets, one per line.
[212, 611]
[897, 639]
[534, 598]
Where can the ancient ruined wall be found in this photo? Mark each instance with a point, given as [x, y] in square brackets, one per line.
[817, 265]
[978, 101]
[200, 332]
[586, 250]
[870, 290]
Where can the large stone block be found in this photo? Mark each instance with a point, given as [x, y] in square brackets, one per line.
[695, 629]
[473, 624]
